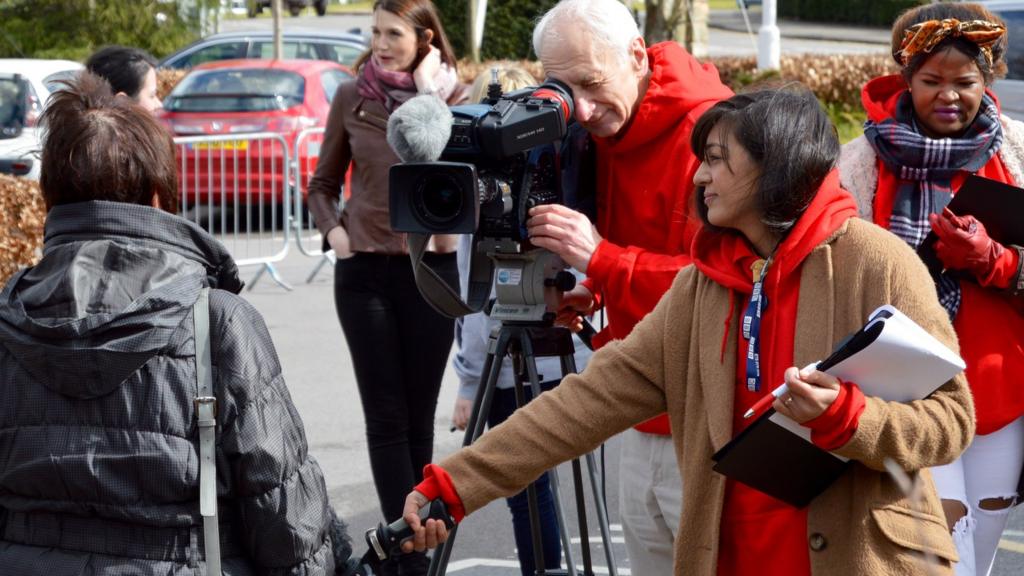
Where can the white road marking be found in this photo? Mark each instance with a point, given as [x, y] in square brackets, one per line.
[492, 563]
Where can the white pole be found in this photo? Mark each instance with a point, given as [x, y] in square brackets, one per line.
[768, 39]
[478, 24]
[474, 50]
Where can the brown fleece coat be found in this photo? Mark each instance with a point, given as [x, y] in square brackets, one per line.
[674, 362]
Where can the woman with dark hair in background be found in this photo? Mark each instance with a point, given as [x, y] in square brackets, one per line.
[100, 366]
[399, 344]
[776, 223]
[130, 71]
[928, 129]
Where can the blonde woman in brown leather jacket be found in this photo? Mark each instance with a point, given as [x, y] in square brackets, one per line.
[399, 344]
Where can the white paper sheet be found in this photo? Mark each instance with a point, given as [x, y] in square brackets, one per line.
[904, 363]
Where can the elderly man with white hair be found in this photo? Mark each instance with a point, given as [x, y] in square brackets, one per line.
[639, 104]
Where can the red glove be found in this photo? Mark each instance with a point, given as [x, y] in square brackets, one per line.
[964, 244]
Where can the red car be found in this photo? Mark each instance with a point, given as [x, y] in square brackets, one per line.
[250, 99]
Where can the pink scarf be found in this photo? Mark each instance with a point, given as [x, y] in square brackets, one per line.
[392, 89]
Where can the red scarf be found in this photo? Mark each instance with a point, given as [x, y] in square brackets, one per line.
[392, 89]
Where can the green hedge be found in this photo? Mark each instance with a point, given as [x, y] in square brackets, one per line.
[865, 12]
[508, 32]
[73, 29]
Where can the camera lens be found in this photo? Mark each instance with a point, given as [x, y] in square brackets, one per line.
[439, 200]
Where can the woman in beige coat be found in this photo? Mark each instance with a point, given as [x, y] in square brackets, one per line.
[774, 214]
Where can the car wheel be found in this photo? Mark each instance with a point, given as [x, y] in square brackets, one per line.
[321, 7]
[295, 10]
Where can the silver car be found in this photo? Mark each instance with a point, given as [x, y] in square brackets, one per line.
[341, 47]
[1010, 90]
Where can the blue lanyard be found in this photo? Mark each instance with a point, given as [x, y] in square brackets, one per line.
[752, 330]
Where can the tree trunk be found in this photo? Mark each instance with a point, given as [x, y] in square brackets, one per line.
[666, 20]
[275, 7]
[684, 21]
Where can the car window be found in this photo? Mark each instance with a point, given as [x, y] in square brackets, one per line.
[290, 50]
[13, 97]
[331, 79]
[222, 51]
[340, 53]
[1015, 51]
[237, 90]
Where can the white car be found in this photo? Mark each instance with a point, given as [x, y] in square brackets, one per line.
[25, 85]
[1010, 90]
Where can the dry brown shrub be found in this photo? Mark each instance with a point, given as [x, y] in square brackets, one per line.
[468, 71]
[22, 213]
[166, 80]
[836, 79]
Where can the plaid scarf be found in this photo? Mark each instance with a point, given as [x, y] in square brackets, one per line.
[925, 167]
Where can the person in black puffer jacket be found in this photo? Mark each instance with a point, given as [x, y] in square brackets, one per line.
[99, 452]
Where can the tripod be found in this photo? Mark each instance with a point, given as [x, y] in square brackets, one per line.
[524, 342]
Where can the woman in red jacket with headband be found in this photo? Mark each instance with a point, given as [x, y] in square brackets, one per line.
[928, 129]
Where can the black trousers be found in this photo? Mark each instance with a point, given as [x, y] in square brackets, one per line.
[399, 348]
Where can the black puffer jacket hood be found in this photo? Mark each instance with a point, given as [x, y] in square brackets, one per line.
[116, 282]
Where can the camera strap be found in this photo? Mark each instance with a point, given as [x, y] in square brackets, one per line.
[442, 296]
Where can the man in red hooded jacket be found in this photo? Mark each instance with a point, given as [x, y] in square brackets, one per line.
[640, 105]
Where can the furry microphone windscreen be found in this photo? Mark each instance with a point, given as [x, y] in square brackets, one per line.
[418, 130]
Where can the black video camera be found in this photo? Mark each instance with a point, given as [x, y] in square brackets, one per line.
[504, 156]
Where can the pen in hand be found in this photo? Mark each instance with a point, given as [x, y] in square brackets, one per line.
[762, 404]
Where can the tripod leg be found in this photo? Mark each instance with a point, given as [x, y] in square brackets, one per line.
[570, 562]
[562, 529]
[439, 560]
[499, 347]
[600, 504]
[602, 514]
[581, 512]
[535, 530]
[475, 427]
[523, 358]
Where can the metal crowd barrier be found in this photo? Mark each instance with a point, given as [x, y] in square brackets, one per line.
[307, 236]
[239, 187]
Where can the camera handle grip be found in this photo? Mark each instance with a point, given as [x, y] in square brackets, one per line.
[586, 335]
[386, 540]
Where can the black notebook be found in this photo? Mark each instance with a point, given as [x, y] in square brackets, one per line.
[891, 357]
[997, 205]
